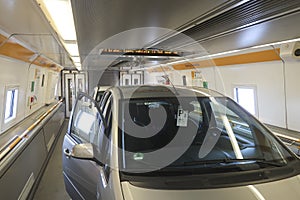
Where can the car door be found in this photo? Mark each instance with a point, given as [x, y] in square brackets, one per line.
[82, 176]
[105, 186]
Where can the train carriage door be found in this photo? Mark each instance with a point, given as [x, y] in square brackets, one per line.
[79, 83]
[69, 88]
[73, 83]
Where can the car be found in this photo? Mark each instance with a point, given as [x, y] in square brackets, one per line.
[170, 142]
[98, 92]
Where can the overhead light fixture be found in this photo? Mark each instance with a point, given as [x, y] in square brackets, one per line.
[76, 59]
[72, 49]
[177, 62]
[276, 43]
[61, 15]
[234, 51]
[196, 58]
[78, 66]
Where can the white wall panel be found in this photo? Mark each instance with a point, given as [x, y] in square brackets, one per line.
[269, 81]
[35, 74]
[210, 75]
[150, 77]
[293, 94]
[267, 77]
[176, 76]
[17, 73]
[13, 72]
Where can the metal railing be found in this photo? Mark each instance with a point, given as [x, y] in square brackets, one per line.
[289, 141]
[17, 139]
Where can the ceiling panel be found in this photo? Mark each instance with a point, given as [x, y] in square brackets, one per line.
[98, 20]
[218, 26]
[252, 18]
[277, 30]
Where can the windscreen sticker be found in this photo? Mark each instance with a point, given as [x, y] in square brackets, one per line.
[182, 117]
[138, 156]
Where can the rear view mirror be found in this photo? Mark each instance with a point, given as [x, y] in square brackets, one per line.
[84, 151]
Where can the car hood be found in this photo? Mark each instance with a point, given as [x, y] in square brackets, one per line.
[282, 189]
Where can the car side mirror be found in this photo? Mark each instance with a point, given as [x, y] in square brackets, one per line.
[85, 151]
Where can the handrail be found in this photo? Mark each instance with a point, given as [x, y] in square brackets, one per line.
[295, 141]
[287, 137]
[30, 128]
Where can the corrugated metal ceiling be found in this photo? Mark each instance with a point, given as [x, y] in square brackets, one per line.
[98, 20]
[240, 17]
[217, 25]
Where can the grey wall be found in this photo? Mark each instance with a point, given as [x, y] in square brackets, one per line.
[21, 169]
[105, 78]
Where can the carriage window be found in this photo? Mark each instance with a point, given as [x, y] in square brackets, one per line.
[11, 104]
[246, 97]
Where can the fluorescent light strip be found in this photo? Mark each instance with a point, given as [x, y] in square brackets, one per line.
[76, 59]
[276, 43]
[254, 47]
[186, 59]
[62, 16]
[234, 51]
[78, 65]
[72, 49]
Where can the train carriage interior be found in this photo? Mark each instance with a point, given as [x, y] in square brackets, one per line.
[94, 95]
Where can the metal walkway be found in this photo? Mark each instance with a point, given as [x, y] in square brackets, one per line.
[52, 184]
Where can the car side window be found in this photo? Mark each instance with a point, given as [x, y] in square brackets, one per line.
[86, 121]
[105, 105]
[105, 135]
[104, 99]
[99, 96]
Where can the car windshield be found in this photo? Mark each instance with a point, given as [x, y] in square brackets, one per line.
[199, 134]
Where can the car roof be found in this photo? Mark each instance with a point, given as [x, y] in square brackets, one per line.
[152, 91]
[102, 88]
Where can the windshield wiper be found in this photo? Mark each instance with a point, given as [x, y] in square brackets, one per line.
[234, 161]
[255, 160]
[213, 166]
